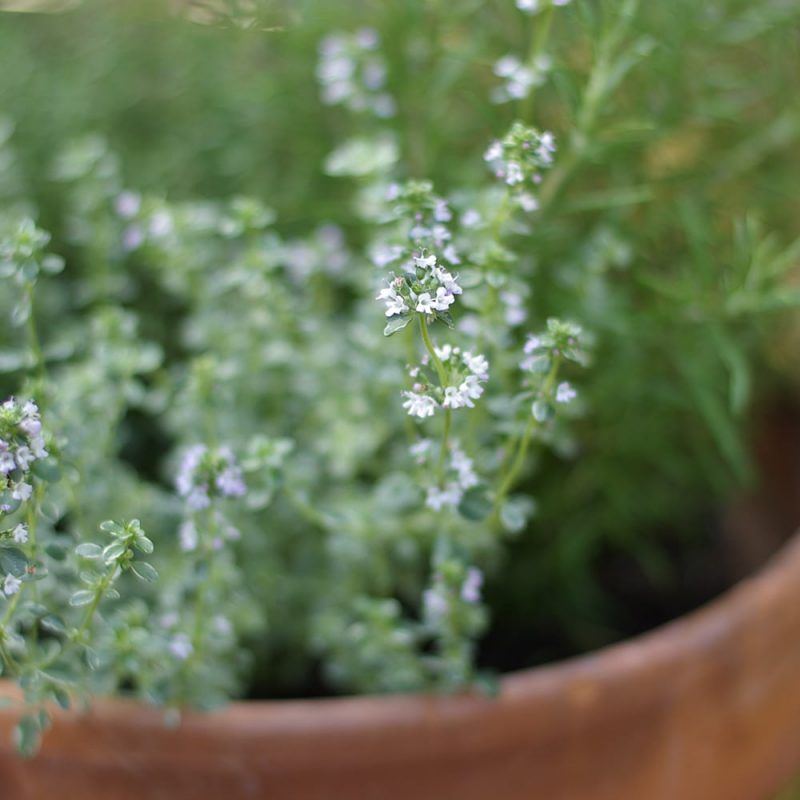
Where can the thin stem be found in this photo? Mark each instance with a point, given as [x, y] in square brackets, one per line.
[35, 344]
[521, 445]
[440, 371]
[538, 43]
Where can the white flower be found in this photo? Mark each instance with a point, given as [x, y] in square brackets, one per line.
[425, 303]
[471, 588]
[454, 398]
[161, 224]
[565, 393]
[494, 153]
[7, 463]
[450, 254]
[527, 202]
[443, 300]
[396, 306]
[445, 351]
[24, 458]
[230, 482]
[20, 533]
[477, 365]
[127, 204]
[437, 498]
[31, 425]
[180, 646]
[38, 448]
[506, 66]
[441, 212]
[462, 464]
[447, 281]
[435, 603]
[471, 217]
[420, 450]
[528, 6]
[419, 405]
[514, 173]
[22, 491]
[425, 262]
[11, 584]
[471, 388]
[531, 344]
[198, 499]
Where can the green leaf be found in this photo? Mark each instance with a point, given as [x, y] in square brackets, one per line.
[447, 318]
[475, 505]
[53, 623]
[81, 598]
[27, 736]
[144, 544]
[61, 697]
[13, 560]
[542, 411]
[47, 470]
[56, 551]
[113, 552]
[52, 264]
[515, 512]
[143, 571]
[109, 526]
[89, 550]
[396, 324]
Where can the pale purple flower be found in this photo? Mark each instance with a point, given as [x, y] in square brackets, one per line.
[471, 589]
[565, 393]
[180, 646]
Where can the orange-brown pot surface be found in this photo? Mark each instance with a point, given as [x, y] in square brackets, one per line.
[705, 708]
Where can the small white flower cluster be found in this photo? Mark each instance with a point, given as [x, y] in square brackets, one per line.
[532, 7]
[466, 373]
[461, 476]
[519, 77]
[518, 158]
[352, 73]
[21, 444]
[205, 473]
[428, 289]
[427, 216]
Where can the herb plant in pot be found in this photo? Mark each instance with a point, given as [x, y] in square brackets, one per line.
[441, 413]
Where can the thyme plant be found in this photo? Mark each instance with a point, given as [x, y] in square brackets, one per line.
[437, 335]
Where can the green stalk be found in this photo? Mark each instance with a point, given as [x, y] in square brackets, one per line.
[440, 371]
[538, 43]
[520, 448]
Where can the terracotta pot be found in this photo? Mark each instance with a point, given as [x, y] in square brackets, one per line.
[706, 707]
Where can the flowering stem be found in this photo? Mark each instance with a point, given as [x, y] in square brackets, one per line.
[521, 445]
[440, 371]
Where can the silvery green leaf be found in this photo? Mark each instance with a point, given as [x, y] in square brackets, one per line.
[81, 598]
[397, 323]
[542, 411]
[89, 550]
[143, 570]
